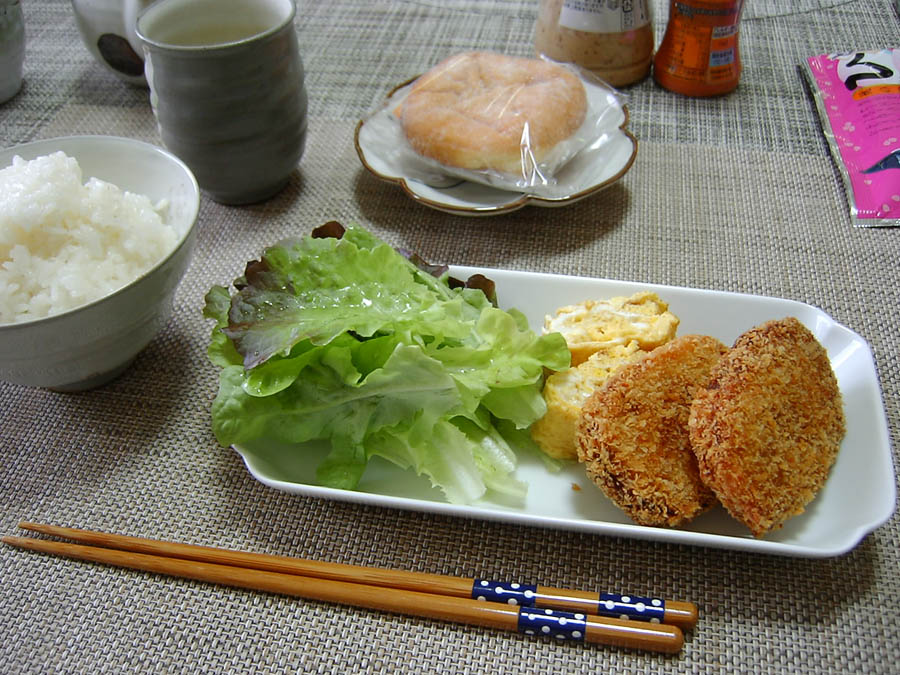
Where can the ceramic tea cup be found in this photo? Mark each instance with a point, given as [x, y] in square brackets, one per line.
[107, 30]
[227, 89]
[12, 48]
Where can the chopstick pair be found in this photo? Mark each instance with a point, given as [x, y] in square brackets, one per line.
[561, 613]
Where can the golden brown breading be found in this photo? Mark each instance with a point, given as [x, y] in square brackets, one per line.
[767, 427]
[633, 436]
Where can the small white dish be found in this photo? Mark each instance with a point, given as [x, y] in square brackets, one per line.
[593, 169]
[88, 346]
[859, 496]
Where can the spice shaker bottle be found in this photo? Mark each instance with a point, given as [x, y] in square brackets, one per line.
[614, 40]
[699, 53]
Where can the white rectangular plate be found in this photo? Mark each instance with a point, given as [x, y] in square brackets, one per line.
[859, 496]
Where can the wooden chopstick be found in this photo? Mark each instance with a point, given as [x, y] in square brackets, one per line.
[561, 625]
[671, 612]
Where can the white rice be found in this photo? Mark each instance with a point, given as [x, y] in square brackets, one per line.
[65, 243]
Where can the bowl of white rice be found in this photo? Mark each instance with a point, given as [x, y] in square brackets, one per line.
[96, 233]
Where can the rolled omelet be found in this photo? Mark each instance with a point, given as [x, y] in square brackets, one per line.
[593, 325]
[602, 336]
[565, 392]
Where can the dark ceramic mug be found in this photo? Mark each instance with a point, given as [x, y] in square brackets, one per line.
[227, 88]
[12, 48]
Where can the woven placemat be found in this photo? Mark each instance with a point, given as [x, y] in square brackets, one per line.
[735, 194]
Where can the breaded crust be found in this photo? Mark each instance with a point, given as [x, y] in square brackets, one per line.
[633, 437]
[767, 427]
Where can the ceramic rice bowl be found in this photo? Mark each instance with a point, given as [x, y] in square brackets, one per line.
[90, 345]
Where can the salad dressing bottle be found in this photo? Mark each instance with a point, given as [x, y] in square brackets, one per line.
[699, 53]
[613, 40]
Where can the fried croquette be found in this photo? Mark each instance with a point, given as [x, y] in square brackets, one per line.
[767, 427]
[633, 437]
[593, 325]
[566, 391]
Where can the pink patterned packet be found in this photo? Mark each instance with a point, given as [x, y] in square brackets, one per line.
[857, 95]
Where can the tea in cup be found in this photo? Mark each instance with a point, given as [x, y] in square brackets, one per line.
[227, 89]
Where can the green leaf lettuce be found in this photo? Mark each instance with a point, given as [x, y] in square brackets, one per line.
[346, 340]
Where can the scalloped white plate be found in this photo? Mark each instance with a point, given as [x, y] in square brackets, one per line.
[591, 170]
[859, 496]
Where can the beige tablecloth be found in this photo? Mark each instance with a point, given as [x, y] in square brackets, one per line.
[737, 193]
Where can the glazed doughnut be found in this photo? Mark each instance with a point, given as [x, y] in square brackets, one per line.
[471, 110]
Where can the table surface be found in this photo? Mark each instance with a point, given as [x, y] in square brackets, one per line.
[737, 193]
